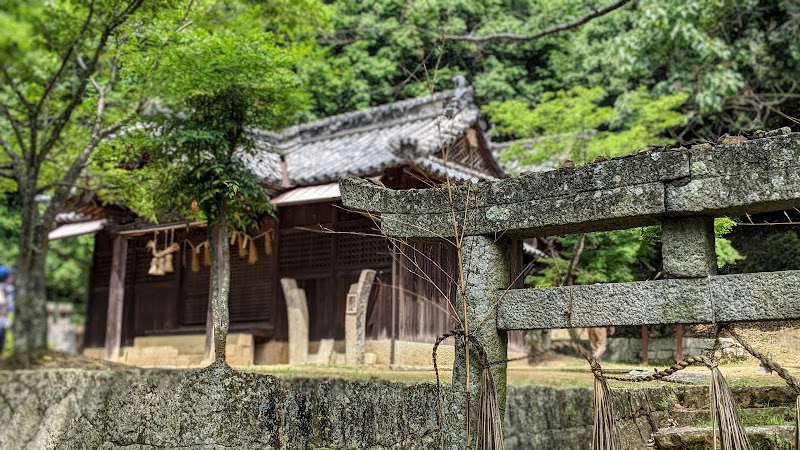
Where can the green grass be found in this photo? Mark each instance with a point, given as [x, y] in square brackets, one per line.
[567, 372]
[760, 418]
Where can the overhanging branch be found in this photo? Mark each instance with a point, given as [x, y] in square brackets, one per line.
[15, 88]
[91, 67]
[15, 126]
[506, 36]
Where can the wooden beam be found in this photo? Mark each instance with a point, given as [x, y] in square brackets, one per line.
[116, 298]
[645, 349]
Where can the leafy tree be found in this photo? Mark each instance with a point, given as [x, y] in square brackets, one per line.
[735, 60]
[215, 86]
[63, 91]
[574, 125]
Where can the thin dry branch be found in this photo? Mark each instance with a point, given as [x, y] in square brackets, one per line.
[576, 257]
[507, 36]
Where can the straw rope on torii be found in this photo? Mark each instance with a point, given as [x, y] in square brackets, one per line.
[724, 412]
[682, 189]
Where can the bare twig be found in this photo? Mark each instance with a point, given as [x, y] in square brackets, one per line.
[506, 36]
[576, 257]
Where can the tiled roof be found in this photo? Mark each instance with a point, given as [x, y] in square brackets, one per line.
[367, 142]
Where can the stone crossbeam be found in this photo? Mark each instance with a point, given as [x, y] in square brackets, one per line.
[719, 298]
[754, 176]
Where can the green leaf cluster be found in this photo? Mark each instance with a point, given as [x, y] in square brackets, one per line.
[576, 125]
[68, 260]
[608, 257]
[733, 60]
[216, 82]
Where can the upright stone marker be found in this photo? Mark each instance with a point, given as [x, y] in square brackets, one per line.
[297, 312]
[355, 321]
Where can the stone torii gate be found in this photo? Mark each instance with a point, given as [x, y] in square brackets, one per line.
[682, 189]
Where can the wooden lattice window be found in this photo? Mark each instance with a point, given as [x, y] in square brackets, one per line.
[471, 156]
[361, 246]
[304, 251]
[252, 287]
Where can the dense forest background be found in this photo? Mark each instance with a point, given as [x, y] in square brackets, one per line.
[652, 72]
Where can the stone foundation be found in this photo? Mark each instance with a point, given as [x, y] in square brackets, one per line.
[221, 409]
[187, 350]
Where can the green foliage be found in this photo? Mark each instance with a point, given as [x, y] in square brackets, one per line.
[733, 60]
[768, 249]
[68, 264]
[608, 257]
[214, 84]
[574, 125]
[727, 255]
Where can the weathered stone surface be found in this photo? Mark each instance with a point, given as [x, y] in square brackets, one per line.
[640, 303]
[688, 247]
[720, 298]
[749, 156]
[756, 296]
[753, 176]
[750, 191]
[223, 409]
[605, 209]
[774, 437]
[655, 167]
[297, 314]
[486, 265]
[355, 325]
[74, 409]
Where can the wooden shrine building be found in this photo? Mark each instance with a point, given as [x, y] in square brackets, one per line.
[415, 143]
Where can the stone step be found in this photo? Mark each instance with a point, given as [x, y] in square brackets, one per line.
[165, 360]
[161, 350]
[776, 415]
[186, 344]
[744, 397]
[771, 437]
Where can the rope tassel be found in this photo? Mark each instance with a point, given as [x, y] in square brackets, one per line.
[725, 414]
[253, 255]
[604, 436]
[797, 423]
[242, 244]
[491, 425]
[267, 244]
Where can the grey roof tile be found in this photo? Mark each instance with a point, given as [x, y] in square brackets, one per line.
[367, 142]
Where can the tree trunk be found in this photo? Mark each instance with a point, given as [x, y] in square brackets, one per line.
[220, 283]
[30, 323]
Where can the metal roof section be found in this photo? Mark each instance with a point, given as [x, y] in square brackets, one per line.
[77, 229]
[308, 194]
